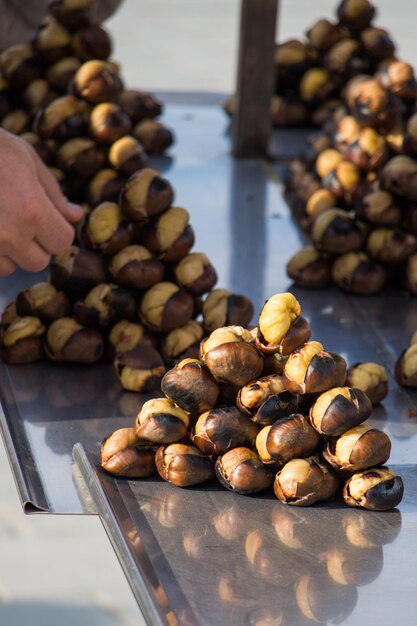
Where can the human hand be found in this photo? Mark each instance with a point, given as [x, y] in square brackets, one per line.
[35, 218]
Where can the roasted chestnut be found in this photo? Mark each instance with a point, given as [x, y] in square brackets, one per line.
[254, 394]
[406, 367]
[75, 271]
[391, 246]
[195, 273]
[399, 177]
[135, 267]
[223, 308]
[379, 207]
[105, 305]
[73, 15]
[108, 123]
[169, 236]
[345, 59]
[44, 148]
[50, 40]
[371, 378]
[154, 136]
[276, 407]
[16, 122]
[280, 327]
[321, 200]
[376, 489]
[344, 181]
[161, 421]
[302, 482]
[92, 42]
[358, 448]
[288, 112]
[105, 186]
[121, 455]
[127, 155]
[323, 35]
[309, 269]
[140, 369]
[62, 119]
[69, 342]
[356, 273]
[377, 43]
[398, 77]
[37, 95]
[231, 356]
[106, 229]
[317, 85]
[311, 369]
[145, 194]
[291, 59]
[61, 73]
[410, 274]
[183, 465]
[80, 157]
[369, 151]
[22, 340]
[42, 300]
[355, 14]
[19, 65]
[191, 386]
[165, 306]
[125, 336]
[223, 428]
[139, 105]
[241, 470]
[96, 82]
[182, 342]
[288, 438]
[339, 409]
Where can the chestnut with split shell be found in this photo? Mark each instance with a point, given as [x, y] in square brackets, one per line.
[376, 489]
[67, 341]
[161, 421]
[223, 428]
[22, 340]
[139, 369]
[337, 410]
[191, 386]
[183, 465]
[288, 438]
[372, 378]
[241, 470]
[122, 454]
[302, 482]
[358, 448]
[311, 369]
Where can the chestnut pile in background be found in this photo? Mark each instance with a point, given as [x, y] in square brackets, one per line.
[406, 365]
[130, 289]
[265, 408]
[310, 73]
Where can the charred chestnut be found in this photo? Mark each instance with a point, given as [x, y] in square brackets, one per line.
[108, 123]
[276, 407]
[302, 482]
[398, 77]
[161, 421]
[22, 340]
[339, 409]
[369, 151]
[370, 378]
[253, 395]
[358, 448]
[140, 369]
[241, 470]
[223, 428]
[370, 103]
[223, 308]
[309, 269]
[376, 489]
[68, 342]
[355, 272]
[345, 59]
[280, 327]
[121, 455]
[190, 385]
[154, 136]
[183, 465]
[135, 267]
[127, 155]
[165, 306]
[311, 369]
[43, 301]
[288, 438]
[95, 81]
[146, 194]
[105, 305]
[76, 271]
[231, 355]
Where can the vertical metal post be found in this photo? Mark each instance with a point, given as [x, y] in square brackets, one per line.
[255, 78]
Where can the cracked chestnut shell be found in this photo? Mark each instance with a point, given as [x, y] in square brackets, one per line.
[69, 342]
[16, 122]
[105, 186]
[356, 272]
[302, 482]
[165, 306]
[308, 269]
[135, 267]
[399, 177]
[256, 392]
[223, 428]
[371, 378]
[195, 273]
[276, 407]
[231, 356]
[140, 369]
[37, 95]
[125, 336]
[169, 236]
[223, 308]
[280, 327]
[145, 194]
[183, 465]
[241, 470]
[121, 455]
[371, 104]
[391, 246]
[358, 448]
[369, 151]
[80, 157]
[62, 119]
[339, 409]
[161, 421]
[380, 208]
[127, 155]
[311, 369]
[108, 123]
[406, 367]
[191, 386]
[154, 136]
[106, 229]
[22, 340]
[42, 300]
[287, 438]
[96, 82]
[398, 77]
[92, 42]
[375, 489]
[355, 14]
[336, 232]
[182, 342]
[75, 271]
[60, 74]
[288, 112]
[105, 305]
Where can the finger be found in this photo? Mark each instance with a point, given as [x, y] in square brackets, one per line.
[32, 257]
[71, 212]
[7, 266]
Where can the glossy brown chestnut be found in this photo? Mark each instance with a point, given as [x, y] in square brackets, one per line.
[358, 448]
[169, 236]
[276, 407]
[127, 156]
[324, 34]
[62, 119]
[345, 58]
[68, 342]
[135, 267]
[255, 393]
[105, 305]
[73, 15]
[75, 271]
[355, 272]
[140, 369]
[191, 386]
[165, 306]
[105, 186]
[231, 356]
[339, 409]
[311, 369]
[96, 82]
[121, 455]
[406, 367]
[80, 157]
[223, 428]
[377, 43]
[139, 105]
[105, 229]
[154, 136]
[182, 342]
[161, 421]
[19, 65]
[280, 327]
[42, 300]
[195, 273]
[183, 465]
[145, 194]
[92, 42]
[125, 336]
[376, 489]
[302, 482]
[37, 95]
[371, 378]
[108, 123]
[355, 14]
[308, 269]
[60, 74]
[241, 470]
[223, 308]
[51, 41]
[22, 341]
[288, 438]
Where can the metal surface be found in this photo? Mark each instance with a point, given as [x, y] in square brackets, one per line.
[255, 78]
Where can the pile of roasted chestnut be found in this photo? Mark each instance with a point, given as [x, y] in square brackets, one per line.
[311, 73]
[129, 288]
[406, 366]
[263, 408]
